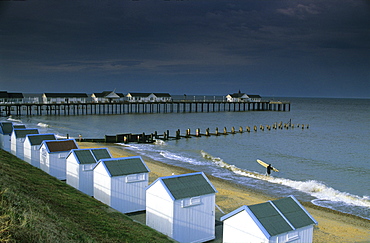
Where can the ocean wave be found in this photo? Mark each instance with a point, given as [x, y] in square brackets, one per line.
[314, 188]
[40, 124]
[178, 157]
[159, 142]
[14, 120]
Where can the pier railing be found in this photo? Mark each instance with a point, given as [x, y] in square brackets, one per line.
[129, 107]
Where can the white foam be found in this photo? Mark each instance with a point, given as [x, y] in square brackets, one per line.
[42, 124]
[314, 188]
[14, 120]
[159, 142]
[173, 156]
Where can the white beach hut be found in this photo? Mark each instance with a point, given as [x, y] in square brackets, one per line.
[80, 165]
[53, 156]
[6, 129]
[32, 146]
[182, 207]
[121, 182]
[17, 140]
[283, 220]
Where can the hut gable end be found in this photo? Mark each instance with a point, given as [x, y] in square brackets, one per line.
[282, 220]
[6, 127]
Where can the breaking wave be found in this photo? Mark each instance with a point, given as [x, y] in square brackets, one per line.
[42, 124]
[314, 188]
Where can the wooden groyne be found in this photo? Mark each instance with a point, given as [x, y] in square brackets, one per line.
[126, 107]
[151, 138]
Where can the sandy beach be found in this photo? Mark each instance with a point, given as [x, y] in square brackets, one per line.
[332, 226]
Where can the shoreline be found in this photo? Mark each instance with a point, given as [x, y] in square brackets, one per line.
[333, 226]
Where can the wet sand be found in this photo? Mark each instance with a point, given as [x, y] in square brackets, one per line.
[332, 226]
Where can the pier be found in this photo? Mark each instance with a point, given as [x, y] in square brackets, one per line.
[129, 107]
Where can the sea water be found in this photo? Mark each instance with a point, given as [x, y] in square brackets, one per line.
[326, 163]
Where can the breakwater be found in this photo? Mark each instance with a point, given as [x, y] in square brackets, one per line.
[126, 107]
[152, 137]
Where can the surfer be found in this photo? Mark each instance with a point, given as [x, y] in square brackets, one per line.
[268, 169]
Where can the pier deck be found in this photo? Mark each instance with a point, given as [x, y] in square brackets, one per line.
[21, 109]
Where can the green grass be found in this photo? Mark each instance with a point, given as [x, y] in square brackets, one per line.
[36, 207]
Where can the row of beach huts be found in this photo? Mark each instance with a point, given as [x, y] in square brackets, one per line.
[179, 206]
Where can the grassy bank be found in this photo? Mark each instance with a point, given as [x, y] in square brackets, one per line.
[35, 207]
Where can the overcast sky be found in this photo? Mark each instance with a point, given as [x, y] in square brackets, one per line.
[295, 48]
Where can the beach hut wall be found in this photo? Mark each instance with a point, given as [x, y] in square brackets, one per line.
[17, 141]
[283, 220]
[80, 165]
[32, 146]
[121, 182]
[182, 207]
[53, 155]
[6, 129]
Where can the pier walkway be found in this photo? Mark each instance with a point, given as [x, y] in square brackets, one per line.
[126, 107]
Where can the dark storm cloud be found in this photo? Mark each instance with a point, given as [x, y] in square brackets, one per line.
[262, 46]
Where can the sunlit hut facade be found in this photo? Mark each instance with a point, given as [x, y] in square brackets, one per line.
[149, 97]
[53, 156]
[121, 182]
[182, 207]
[107, 97]
[6, 129]
[283, 220]
[32, 146]
[64, 98]
[80, 165]
[17, 140]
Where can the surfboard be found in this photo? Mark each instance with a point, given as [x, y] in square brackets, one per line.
[265, 165]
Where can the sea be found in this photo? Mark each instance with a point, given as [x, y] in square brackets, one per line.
[324, 159]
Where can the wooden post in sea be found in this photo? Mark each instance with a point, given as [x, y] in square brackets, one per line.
[156, 135]
[232, 130]
[255, 128]
[248, 129]
[207, 132]
[241, 129]
[197, 132]
[225, 130]
[216, 132]
[188, 133]
[178, 134]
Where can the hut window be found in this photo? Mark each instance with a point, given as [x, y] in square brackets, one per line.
[88, 167]
[61, 156]
[292, 236]
[188, 202]
[135, 178]
[43, 153]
